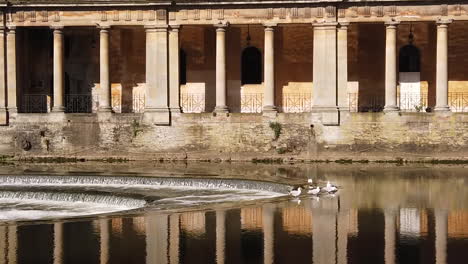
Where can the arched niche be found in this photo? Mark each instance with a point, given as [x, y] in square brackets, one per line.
[251, 66]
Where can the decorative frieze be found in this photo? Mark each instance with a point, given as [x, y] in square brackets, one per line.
[270, 13]
[161, 14]
[195, 14]
[341, 13]
[379, 11]
[330, 11]
[319, 12]
[139, 15]
[115, 15]
[183, 14]
[392, 11]
[152, 15]
[443, 10]
[294, 12]
[56, 16]
[127, 15]
[44, 16]
[20, 16]
[365, 11]
[307, 12]
[103, 15]
[208, 14]
[220, 14]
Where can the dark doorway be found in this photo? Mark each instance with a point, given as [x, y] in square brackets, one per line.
[409, 59]
[182, 67]
[251, 66]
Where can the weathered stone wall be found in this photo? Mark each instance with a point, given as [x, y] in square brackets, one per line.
[239, 137]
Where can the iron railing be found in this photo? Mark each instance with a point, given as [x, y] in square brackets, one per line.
[78, 103]
[138, 104]
[412, 102]
[458, 102]
[192, 103]
[251, 103]
[35, 103]
[296, 103]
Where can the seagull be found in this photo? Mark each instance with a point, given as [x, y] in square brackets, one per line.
[295, 192]
[330, 188]
[314, 191]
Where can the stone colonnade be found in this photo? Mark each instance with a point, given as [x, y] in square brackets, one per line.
[330, 73]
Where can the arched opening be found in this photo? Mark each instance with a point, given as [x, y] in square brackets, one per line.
[411, 98]
[182, 67]
[251, 66]
[409, 59]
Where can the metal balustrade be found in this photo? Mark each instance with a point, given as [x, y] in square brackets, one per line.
[35, 103]
[192, 103]
[78, 103]
[296, 103]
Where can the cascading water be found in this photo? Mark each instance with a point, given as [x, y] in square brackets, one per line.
[48, 197]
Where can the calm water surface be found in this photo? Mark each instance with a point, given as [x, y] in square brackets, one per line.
[382, 214]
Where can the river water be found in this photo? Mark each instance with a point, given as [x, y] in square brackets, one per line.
[196, 213]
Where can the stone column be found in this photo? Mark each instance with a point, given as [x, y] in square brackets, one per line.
[174, 238]
[390, 234]
[58, 243]
[442, 66]
[390, 67]
[104, 230]
[269, 79]
[324, 101]
[174, 75]
[268, 233]
[342, 67]
[105, 95]
[157, 101]
[220, 236]
[441, 218]
[59, 93]
[3, 92]
[11, 70]
[221, 106]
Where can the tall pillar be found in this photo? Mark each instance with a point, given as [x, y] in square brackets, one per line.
[441, 228]
[342, 67]
[11, 70]
[220, 236]
[221, 106]
[105, 100]
[59, 94]
[442, 66]
[390, 235]
[269, 79]
[174, 238]
[104, 230]
[324, 101]
[390, 67]
[58, 243]
[157, 101]
[268, 233]
[3, 92]
[174, 67]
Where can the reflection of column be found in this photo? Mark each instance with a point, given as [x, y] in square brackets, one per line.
[12, 245]
[3, 243]
[221, 106]
[174, 238]
[3, 116]
[441, 235]
[268, 233]
[390, 233]
[390, 67]
[220, 236]
[342, 66]
[11, 70]
[58, 243]
[156, 239]
[442, 66]
[104, 227]
[324, 232]
[269, 80]
[174, 67]
[105, 104]
[58, 70]
[343, 222]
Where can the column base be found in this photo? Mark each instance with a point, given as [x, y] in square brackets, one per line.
[391, 108]
[221, 109]
[3, 117]
[326, 115]
[270, 109]
[58, 109]
[442, 108]
[106, 109]
[175, 110]
[157, 116]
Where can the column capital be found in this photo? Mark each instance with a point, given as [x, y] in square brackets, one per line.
[221, 26]
[269, 25]
[392, 23]
[325, 25]
[11, 29]
[104, 27]
[343, 25]
[58, 28]
[174, 28]
[156, 28]
[443, 22]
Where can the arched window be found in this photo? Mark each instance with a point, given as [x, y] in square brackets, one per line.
[182, 67]
[409, 59]
[251, 66]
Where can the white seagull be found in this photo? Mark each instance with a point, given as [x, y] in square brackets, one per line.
[330, 188]
[314, 191]
[295, 192]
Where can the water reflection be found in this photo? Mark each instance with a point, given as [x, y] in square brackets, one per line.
[392, 218]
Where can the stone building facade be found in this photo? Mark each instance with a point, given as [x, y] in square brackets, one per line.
[159, 62]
